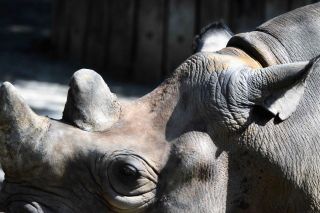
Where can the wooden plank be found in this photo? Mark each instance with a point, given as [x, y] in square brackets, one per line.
[121, 33]
[181, 29]
[78, 23]
[213, 10]
[275, 8]
[60, 26]
[97, 31]
[148, 57]
[246, 14]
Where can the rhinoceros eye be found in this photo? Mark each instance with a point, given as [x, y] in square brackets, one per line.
[129, 171]
[130, 175]
[129, 182]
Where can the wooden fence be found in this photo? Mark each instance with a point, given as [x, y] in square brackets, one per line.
[144, 40]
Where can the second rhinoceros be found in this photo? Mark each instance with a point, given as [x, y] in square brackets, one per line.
[230, 131]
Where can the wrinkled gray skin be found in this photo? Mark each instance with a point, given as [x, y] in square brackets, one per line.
[231, 131]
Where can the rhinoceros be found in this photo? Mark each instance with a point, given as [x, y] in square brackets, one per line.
[236, 130]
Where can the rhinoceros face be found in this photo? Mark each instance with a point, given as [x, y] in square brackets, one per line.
[166, 152]
[107, 157]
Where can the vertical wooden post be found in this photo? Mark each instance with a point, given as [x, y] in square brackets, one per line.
[97, 31]
[181, 29]
[148, 53]
[78, 24]
[60, 26]
[121, 34]
[246, 14]
[275, 7]
[213, 10]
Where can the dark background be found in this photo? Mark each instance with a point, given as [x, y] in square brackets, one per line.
[145, 40]
[130, 42]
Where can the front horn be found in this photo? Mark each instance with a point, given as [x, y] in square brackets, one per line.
[91, 105]
[20, 129]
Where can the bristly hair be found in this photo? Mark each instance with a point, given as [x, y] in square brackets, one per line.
[208, 30]
[215, 26]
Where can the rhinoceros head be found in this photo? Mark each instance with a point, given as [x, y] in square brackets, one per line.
[169, 151]
[106, 156]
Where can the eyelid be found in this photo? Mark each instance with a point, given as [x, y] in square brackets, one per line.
[130, 195]
[146, 179]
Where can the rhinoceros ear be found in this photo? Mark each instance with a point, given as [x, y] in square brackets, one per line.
[90, 104]
[212, 38]
[280, 88]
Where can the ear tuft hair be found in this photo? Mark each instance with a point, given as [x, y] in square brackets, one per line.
[213, 37]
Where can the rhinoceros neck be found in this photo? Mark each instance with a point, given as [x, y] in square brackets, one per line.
[292, 146]
[291, 37]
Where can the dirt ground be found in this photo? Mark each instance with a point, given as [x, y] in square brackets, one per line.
[27, 58]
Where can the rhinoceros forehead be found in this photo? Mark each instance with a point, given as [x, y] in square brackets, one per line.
[65, 142]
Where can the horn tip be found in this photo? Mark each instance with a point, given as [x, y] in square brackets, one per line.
[6, 86]
[86, 79]
[6, 83]
[85, 71]
[8, 92]
[85, 74]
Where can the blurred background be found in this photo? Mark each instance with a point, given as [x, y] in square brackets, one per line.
[133, 44]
